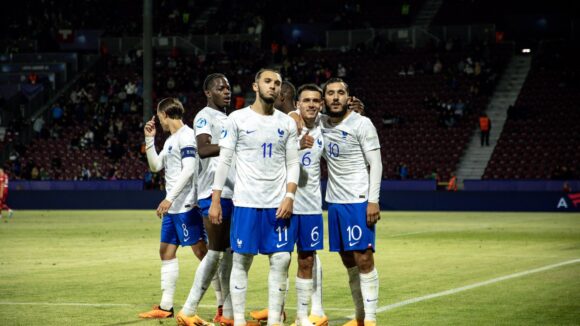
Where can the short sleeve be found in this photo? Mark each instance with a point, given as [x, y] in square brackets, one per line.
[202, 123]
[229, 134]
[368, 136]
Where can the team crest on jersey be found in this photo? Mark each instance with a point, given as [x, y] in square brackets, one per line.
[319, 142]
[344, 134]
[280, 132]
[169, 149]
[201, 122]
[224, 133]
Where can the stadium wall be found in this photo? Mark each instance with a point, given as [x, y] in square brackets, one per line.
[390, 200]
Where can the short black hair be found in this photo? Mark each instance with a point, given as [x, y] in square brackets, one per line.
[309, 87]
[288, 88]
[332, 81]
[259, 73]
[172, 107]
[210, 78]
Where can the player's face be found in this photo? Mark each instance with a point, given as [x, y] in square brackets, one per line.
[309, 104]
[336, 99]
[268, 86]
[220, 92]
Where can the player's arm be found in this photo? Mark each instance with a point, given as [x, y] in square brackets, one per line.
[206, 148]
[188, 153]
[155, 161]
[292, 175]
[374, 160]
[221, 173]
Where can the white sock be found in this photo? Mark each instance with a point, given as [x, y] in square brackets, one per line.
[317, 286]
[224, 272]
[369, 285]
[303, 293]
[169, 275]
[217, 286]
[277, 285]
[203, 277]
[239, 284]
[354, 282]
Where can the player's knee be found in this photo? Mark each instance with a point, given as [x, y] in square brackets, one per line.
[348, 259]
[280, 261]
[305, 261]
[365, 261]
[199, 250]
[242, 261]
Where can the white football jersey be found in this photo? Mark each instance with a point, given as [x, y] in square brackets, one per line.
[210, 121]
[260, 144]
[180, 145]
[344, 148]
[308, 197]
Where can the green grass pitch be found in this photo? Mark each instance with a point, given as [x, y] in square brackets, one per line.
[102, 268]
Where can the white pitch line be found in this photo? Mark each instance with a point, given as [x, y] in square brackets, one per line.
[472, 286]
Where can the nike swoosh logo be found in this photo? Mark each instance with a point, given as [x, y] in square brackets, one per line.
[350, 244]
[250, 131]
[373, 300]
[314, 243]
[280, 245]
[237, 288]
[186, 239]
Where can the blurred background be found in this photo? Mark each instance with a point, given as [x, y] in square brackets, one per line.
[78, 78]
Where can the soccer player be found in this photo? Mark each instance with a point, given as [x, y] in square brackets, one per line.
[308, 209]
[266, 158]
[181, 219]
[208, 124]
[286, 101]
[4, 195]
[351, 141]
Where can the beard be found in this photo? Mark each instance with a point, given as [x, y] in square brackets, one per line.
[337, 114]
[266, 98]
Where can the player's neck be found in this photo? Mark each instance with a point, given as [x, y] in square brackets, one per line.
[262, 107]
[337, 120]
[215, 107]
[309, 123]
[175, 125]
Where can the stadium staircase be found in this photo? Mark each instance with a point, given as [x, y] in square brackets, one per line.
[475, 159]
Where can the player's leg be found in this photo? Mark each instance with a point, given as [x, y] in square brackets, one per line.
[277, 239]
[304, 286]
[360, 241]
[169, 270]
[369, 283]
[222, 244]
[244, 240]
[340, 232]
[317, 310]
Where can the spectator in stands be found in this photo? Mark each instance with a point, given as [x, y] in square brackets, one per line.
[484, 128]
[452, 185]
[38, 126]
[403, 171]
[437, 66]
[341, 71]
[566, 187]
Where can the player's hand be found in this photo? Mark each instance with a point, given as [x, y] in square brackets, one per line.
[299, 121]
[285, 209]
[373, 214]
[150, 128]
[215, 213]
[356, 105]
[163, 208]
[306, 141]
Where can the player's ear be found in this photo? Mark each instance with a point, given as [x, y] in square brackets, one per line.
[207, 93]
[255, 86]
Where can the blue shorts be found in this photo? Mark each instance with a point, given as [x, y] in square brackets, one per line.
[257, 230]
[184, 229]
[310, 231]
[227, 207]
[347, 227]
